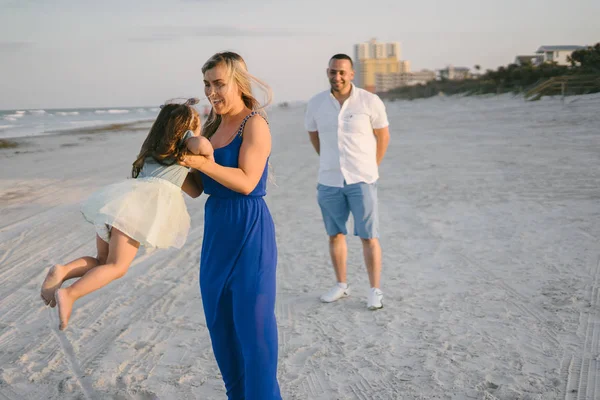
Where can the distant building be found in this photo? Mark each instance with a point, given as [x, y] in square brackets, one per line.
[405, 66]
[452, 73]
[557, 54]
[370, 68]
[529, 60]
[372, 58]
[386, 82]
[374, 49]
[422, 76]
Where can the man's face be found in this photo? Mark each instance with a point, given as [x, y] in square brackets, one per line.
[340, 74]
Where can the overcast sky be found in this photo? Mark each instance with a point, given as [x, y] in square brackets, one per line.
[84, 53]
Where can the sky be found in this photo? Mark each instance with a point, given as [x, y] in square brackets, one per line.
[111, 53]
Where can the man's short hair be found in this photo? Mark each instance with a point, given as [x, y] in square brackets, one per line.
[342, 56]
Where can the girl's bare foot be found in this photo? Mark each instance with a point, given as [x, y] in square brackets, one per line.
[53, 281]
[65, 306]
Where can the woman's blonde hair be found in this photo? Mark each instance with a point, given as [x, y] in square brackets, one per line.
[163, 142]
[238, 73]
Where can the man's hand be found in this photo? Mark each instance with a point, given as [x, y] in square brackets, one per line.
[314, 139]
[383, 139]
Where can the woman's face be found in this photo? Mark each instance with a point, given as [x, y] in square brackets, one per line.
[221, 90]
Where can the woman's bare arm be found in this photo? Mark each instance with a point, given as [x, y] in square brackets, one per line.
[254, 153]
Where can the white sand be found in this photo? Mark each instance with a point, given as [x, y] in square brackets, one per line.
[490, 214]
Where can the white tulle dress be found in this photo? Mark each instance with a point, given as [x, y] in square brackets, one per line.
[150, 208]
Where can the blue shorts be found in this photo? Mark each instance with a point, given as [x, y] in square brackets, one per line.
[359, 198]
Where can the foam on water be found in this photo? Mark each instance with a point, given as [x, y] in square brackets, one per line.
[112, 111]
[20, 123]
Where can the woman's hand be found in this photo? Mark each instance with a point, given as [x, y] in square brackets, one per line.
[196, 162]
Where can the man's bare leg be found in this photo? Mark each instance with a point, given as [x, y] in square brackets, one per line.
[338, 250]
[372, 256]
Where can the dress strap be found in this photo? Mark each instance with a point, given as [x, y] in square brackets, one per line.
[243, 124]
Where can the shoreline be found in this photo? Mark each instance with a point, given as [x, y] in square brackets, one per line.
[131, 126]
[111, 127]
[8, 144]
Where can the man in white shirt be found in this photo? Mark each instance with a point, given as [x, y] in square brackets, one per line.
[348, 128]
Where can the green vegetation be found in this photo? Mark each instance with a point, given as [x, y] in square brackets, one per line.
[7, 144]
[582, 76]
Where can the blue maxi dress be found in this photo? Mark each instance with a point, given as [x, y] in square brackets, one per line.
[237, 282]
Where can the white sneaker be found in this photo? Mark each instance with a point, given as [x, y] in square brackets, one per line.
[335, 293]
[374, 301]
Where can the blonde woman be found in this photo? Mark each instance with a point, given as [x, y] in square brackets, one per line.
[239, 252]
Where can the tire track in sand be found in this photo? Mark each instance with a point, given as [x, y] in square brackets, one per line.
[72, 363]
[524, 305]
[582, 372]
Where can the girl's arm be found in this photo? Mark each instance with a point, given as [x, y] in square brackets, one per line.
[193, 184]
[200, 145]
[254, 152]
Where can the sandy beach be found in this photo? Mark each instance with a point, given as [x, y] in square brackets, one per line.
[490, 225]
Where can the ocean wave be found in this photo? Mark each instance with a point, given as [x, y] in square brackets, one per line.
[13, 117]
[6, 126]
[63, 113]
[37, 111]
[115, 111]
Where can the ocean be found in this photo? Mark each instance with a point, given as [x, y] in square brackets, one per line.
[23, 122]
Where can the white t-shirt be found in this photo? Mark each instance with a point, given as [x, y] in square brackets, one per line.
[348, 147]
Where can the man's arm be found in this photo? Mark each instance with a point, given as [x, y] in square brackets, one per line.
[314, 139]
[310, 124]
[383, 139]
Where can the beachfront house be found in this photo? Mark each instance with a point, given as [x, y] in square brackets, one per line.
[557, 54]
[453, 73]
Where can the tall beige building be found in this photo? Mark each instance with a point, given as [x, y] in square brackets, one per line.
[373, 58]
[375, 49]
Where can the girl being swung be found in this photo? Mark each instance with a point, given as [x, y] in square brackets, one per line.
[148, 210]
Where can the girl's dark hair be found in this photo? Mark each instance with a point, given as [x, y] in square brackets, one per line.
[163, 142]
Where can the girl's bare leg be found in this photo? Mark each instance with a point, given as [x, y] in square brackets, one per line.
[58, 273]
[121, 252]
